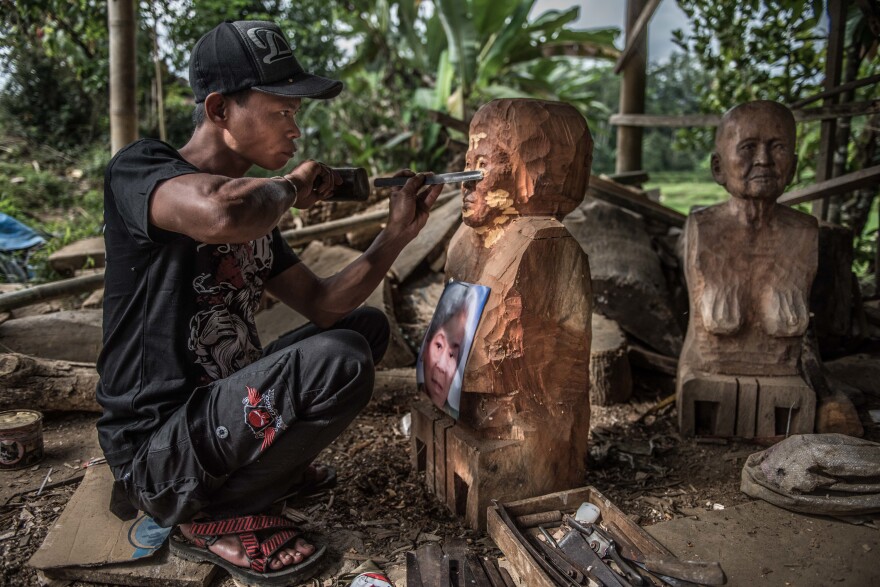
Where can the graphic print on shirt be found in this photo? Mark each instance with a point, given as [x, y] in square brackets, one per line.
[228, 286]
[261, 417]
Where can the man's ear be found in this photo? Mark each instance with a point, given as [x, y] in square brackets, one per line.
[717, 173]
[215, 108]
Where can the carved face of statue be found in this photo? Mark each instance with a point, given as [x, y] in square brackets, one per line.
[755, 151]
[487, 202]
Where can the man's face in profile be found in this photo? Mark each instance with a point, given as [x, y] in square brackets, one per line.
[487, 199]
[441, 357]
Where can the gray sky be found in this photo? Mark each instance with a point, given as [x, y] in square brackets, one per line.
[602, 13]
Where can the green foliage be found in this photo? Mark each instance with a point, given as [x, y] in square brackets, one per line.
[55, 86]
[767, 49]
[58, 196]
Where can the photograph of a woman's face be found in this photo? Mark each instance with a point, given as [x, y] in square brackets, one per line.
[444, 352]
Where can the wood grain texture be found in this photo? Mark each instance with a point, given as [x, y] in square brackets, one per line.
[47, 385]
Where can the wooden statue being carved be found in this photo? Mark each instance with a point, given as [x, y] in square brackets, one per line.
[749, 264]
[527, 378]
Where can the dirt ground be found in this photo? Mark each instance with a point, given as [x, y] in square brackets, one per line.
[640, 463]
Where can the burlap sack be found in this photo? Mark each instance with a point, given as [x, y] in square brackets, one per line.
[829, 474]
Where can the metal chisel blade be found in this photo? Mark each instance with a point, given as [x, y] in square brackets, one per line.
[458, 176]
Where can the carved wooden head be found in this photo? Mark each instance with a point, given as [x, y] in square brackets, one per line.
[755, 150]
[536, 159]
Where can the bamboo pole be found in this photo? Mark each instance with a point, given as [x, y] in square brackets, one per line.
[123, 79]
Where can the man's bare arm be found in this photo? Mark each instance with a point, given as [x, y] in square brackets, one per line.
[215, 209]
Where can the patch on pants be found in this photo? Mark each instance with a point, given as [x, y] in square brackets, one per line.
[261, 416]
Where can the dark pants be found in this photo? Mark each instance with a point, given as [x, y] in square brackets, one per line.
[242, 442]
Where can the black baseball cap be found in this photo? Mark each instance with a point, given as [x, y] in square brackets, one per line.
[252, 54]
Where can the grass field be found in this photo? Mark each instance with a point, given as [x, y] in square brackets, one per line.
[682, 190]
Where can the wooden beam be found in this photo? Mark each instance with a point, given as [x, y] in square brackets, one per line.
[449, 121]
[634, 36]
[836, 90]
[832, 187]
[630, 177]
[633, 200]
[632, 93]
[660, 120]
[833, 67]
[806, 115]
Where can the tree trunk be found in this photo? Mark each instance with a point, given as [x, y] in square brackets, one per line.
[123, 80]
[610, 373]
[46, 385]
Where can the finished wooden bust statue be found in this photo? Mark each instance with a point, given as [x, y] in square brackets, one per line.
[749, 264]
[525, 389]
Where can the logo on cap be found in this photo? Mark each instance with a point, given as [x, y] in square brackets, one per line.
[272, 40]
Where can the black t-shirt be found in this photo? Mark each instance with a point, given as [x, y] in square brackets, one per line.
[178, 314]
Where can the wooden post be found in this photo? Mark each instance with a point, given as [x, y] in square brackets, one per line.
[632, 93]
[833, 63]
[123, 80]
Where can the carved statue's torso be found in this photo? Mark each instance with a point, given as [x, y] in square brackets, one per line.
[749, 290]
[529, 363]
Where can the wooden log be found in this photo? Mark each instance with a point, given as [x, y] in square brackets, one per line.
[610, 373]
[325, 261]
[71, 335]
[843, 184]
[75, 256]
[628, 282]
[50, 291]
[47, 385]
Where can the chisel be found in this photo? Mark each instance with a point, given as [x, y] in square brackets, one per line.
[458, 176]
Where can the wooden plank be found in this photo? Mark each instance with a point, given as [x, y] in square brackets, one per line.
[836, 90]
[633, 200]
[684, 120]
[77, 255]
[441, 223]
[836, 186]
[635, 35]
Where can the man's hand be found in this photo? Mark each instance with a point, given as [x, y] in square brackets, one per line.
[410, 205]
[314, 181]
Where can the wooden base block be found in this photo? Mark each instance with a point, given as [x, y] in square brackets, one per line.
[786, 405]
[746, 407]
[707, 405]
[480, 470]
[425, 420]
